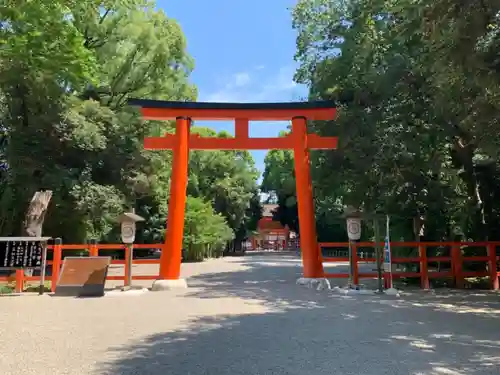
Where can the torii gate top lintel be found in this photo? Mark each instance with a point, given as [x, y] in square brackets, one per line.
[170, 110]
[241, 114]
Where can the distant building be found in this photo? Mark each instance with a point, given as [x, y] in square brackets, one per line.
[270, 233]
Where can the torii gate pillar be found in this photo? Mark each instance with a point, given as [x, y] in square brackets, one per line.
[181, 142]
[171, 256]
[311, 256]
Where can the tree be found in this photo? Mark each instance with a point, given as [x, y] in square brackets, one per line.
[66, 72]
[34, 86]
[279, 182]
[418, 110]
[229, 180]
[206, 232]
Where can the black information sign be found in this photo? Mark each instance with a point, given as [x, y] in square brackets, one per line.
[21, 253]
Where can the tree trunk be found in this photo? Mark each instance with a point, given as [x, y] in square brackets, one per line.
[35, 216]
[464, 150]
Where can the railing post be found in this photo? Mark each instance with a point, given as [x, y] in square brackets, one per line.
[56, 263]
[424, 272]
[93, 248]
[19, 281]
[355, 271]
[492, 266]
[457, 265]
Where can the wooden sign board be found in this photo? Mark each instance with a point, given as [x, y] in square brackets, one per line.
[22, 252]
[83, 277]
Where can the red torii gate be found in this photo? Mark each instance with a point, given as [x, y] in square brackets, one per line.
[181, 142]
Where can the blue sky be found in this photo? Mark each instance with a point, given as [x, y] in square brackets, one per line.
[243, 52]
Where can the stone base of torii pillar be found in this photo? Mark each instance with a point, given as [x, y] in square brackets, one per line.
[162, 285]
[319, 283]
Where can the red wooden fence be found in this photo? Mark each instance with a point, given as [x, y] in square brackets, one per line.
[456, 259]
[93, 250]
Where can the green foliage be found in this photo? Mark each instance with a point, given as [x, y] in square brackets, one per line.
[417, 83]
[66, 71]
[229, 180]
[28, 50]
[205, 232]
[98, 206]
[279, 182]
[140, 50]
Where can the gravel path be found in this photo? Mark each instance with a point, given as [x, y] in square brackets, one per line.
[246, 316]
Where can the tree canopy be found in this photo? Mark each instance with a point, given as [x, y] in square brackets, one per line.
[417, 84]
[67, 69]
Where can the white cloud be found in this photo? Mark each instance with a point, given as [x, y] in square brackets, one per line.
[259, 86]
[241, 79]
[283, 81]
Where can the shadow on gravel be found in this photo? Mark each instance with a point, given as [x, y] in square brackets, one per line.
[315, 333]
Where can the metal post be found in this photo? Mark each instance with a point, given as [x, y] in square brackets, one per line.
[129, 260]
[42, 270]
[351, 266]
[378, 254]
